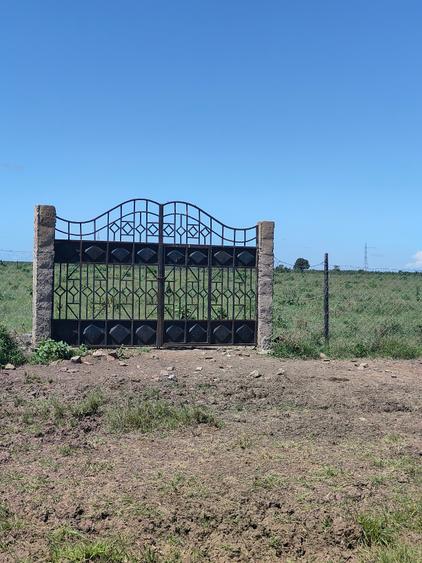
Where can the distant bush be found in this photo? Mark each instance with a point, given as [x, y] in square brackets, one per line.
[9, 349]
[301, 264]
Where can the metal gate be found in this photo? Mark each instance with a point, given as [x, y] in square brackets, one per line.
[145, 273]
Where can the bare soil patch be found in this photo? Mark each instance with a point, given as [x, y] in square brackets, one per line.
[240, 457]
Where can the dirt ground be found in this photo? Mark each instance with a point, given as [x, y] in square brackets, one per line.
[298, 451]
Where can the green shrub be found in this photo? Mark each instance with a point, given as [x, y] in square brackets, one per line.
[50, 350]
[9, 349]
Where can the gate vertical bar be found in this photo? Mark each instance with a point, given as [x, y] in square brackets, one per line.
[265, 283]
[43, 272]
[160, 277]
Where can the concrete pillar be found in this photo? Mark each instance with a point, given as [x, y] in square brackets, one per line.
[265, 283]
[43, 269]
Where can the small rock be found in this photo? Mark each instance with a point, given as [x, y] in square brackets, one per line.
[72, 371]
[98, 353]
[281, 371]
[9, 366]
[76, 359]
[113, 354]
[111, 358]
[323, 356]
[123, 364]
[170, 368]
[171, 376]
[199, 368]
[164, 373]
[255, 373]
[362, 366]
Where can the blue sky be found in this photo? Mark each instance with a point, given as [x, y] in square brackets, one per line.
[308, 113]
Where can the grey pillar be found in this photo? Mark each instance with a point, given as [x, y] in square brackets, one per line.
[43, 268]
[265, 283]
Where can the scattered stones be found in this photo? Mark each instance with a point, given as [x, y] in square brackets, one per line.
[76, 359]
[10, 367]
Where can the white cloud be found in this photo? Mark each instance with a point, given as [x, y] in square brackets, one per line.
[417, 261]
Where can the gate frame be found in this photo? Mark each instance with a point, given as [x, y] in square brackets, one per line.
[43, 275]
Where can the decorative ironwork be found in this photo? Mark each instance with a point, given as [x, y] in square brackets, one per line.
[145, 273]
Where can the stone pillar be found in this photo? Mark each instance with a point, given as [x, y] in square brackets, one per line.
[265, 283]
[43, 269]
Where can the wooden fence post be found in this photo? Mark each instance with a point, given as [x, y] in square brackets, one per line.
[326, 302]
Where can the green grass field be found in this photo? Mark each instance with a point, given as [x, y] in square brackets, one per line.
[16, 296]
[371, 314]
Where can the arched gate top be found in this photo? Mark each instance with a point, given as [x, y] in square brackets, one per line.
[145, 220]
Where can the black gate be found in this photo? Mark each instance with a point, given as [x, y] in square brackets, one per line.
[145, 273]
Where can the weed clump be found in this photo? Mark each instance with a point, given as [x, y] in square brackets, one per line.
[70, 546]
[146, 415]
[50, 350]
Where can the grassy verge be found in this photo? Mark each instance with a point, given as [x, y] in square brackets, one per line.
[371, 315]
[120, 415]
